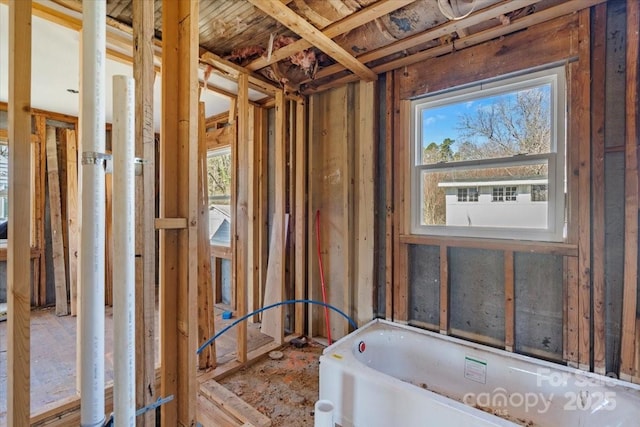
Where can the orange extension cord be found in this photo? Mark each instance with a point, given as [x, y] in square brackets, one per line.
[324, 291]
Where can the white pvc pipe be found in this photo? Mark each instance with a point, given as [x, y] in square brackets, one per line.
[92, 232]
[124, 397]
[323, 414]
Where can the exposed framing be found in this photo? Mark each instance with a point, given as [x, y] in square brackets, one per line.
[18, 263]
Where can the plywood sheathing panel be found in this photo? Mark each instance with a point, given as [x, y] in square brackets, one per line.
[330, 157]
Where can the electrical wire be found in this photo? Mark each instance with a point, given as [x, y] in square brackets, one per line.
[267, 307]
[324, 291]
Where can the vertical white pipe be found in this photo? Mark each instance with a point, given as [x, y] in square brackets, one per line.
[92, 240]
[124, 405]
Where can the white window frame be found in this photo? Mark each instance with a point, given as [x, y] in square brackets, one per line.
[555, 159]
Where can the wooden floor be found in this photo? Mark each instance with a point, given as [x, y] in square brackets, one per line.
[53, 355]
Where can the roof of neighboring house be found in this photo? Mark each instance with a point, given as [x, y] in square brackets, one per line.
[487, 182]
[220, 225]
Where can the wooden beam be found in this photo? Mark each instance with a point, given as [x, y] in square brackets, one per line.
[18, 264]
[62, 304]
[445, 29]
[401, 271]
[263, 190]
[145, 148]
[581, 103]
[241, 218]
[108, 237]
[598, 66]
[474, 39]
[364, 200]
[219, 138]
[630, 289]
[572, 313]
[509, 302]
[234, 70]
[253, 238]
[41, 162]
[233, 404]
[493, 244]
[170, 223]
[300, 26]
[388, 194]
[444, 290]
[300, 168]
[72, 217]
[179, 190]
[273, 320]
[207, 358]
[361, 17]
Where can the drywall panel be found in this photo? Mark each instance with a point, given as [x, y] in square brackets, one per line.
[538, 300]
[477, 294]
[424, 284]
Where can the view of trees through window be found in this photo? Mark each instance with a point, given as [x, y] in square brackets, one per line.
[219, 183]
[467, 135]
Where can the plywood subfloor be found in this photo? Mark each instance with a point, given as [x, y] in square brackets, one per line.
[284, 390]
[53, 355]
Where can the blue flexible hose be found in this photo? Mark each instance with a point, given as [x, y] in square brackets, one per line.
[267, 307]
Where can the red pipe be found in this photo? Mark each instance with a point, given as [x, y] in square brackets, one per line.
[324, 291]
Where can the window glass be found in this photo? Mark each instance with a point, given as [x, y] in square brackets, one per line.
[498, 144]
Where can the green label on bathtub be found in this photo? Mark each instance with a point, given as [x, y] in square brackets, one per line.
[475, 369]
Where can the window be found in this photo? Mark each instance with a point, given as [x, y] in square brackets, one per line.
[501, 194]
[485, 144]
[219, 186]
[498, 194]
[468, 194]
[539, 193]
[4, 181]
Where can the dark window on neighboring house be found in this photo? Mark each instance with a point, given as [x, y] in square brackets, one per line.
[502, 194]
[468, 194]
[539, 193]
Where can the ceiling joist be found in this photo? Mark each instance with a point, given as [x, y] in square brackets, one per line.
[359, 18]
[472, 40]
[445, 29]
[300, 26]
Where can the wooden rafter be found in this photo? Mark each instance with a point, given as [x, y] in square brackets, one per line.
[472, 40]
[359, 18]
[433, 34]
[300, 26]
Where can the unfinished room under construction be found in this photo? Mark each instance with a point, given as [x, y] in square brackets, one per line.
[319, 213]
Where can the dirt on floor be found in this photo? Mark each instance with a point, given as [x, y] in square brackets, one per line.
[284, 390]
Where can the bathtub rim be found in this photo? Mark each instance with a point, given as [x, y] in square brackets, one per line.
[342, 343]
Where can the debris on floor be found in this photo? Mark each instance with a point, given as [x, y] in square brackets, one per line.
[284, 390]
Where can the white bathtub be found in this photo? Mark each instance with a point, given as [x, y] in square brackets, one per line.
[386, 374]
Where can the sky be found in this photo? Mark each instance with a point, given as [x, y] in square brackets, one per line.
[439, 123]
